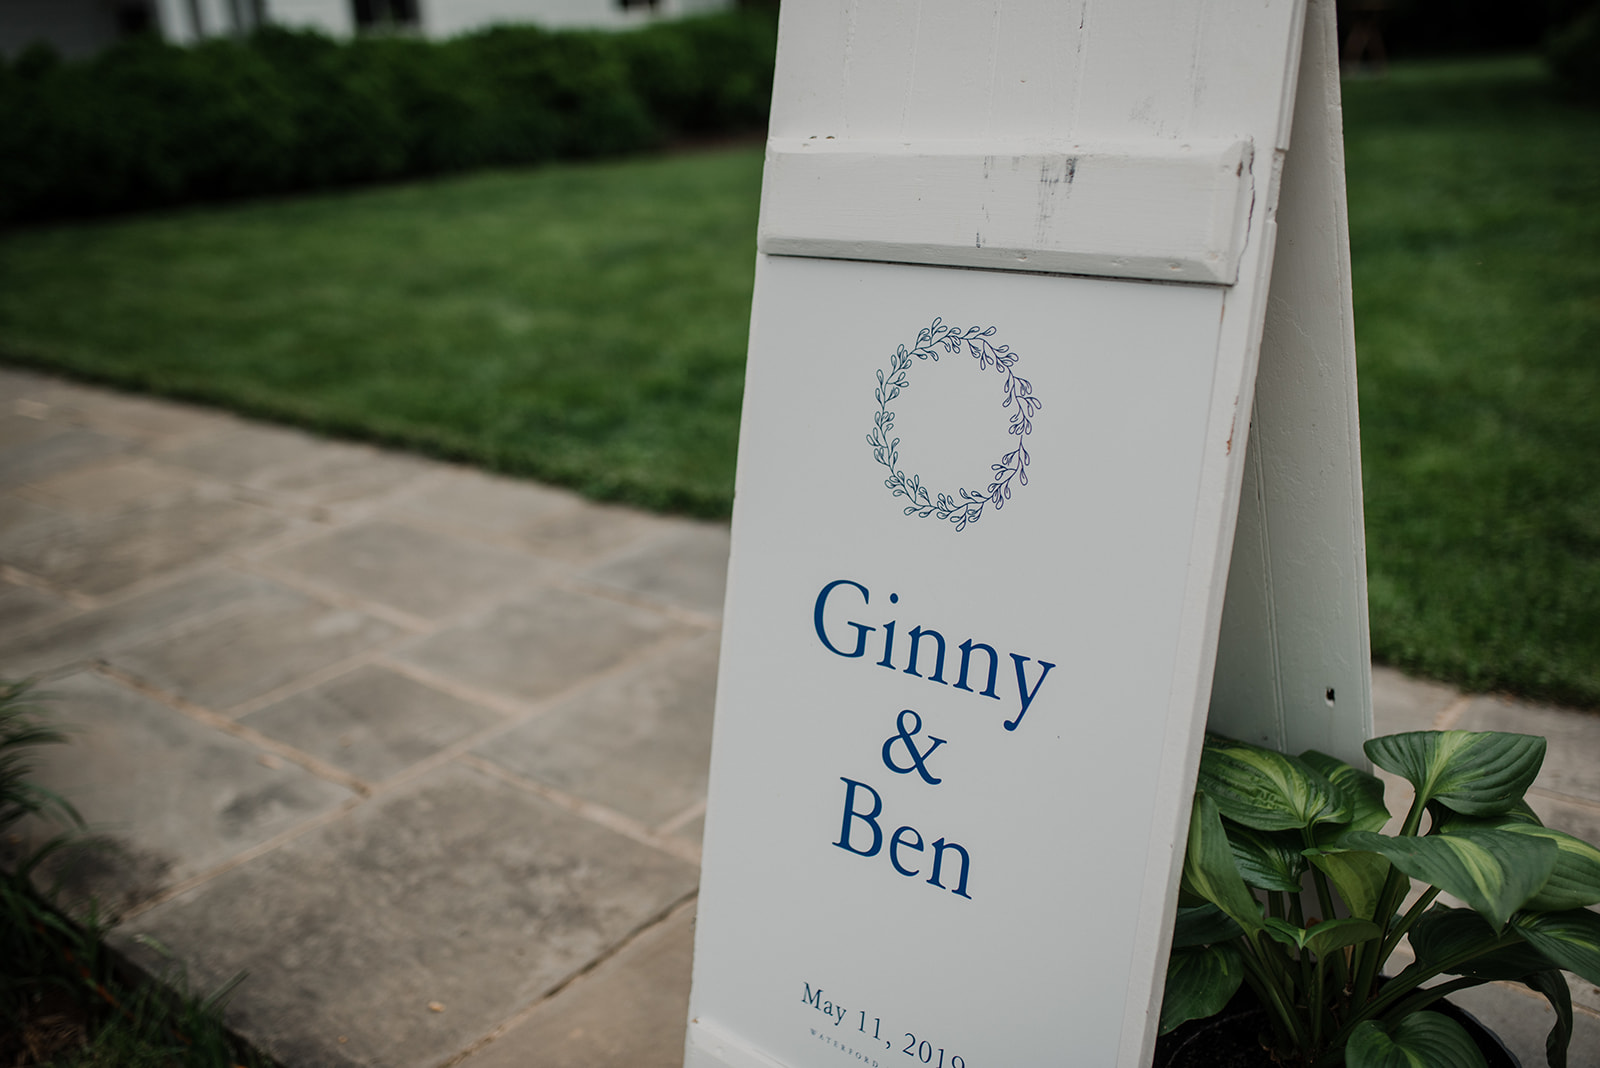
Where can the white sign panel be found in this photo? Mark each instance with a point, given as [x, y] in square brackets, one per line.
[1004, 348]
[961, 559]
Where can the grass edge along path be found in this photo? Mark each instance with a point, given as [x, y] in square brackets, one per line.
[1475, 227]
[585, 324]
[580, 323]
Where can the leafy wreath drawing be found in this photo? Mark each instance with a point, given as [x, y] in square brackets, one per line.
[1012, 467]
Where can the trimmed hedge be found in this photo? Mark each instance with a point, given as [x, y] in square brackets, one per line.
[1574, 55]
[148, 124]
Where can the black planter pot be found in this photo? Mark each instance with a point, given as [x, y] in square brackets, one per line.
[1231, 1038]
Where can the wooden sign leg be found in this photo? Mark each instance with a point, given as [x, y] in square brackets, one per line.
[1294, 659]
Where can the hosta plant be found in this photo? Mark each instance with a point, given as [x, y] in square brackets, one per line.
[1291, 887]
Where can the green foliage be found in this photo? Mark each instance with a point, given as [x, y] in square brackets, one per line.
[21, 732]
[1474, 216]
[584, 324]
[703, 75]
[478, 318]
[147, 124]
[1573, 52]
[1421, 1040]
[1246, 917]
[1478, 774]
[65, 1000]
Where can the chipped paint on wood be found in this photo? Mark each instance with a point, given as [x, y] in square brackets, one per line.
[1144, 209]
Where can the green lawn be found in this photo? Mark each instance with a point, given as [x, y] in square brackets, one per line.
[586, 324]
[1475, 234]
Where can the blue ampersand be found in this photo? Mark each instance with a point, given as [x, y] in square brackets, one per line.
[918, 757]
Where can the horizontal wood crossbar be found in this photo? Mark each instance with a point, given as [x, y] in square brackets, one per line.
[1157, 210]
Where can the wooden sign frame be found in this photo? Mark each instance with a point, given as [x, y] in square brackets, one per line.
[1114, 146]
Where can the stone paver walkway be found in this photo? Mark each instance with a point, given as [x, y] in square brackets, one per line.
[421, 750]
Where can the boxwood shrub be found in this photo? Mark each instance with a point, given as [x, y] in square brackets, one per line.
[146, 124]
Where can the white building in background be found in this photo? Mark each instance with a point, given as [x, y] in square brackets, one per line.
[78, 28]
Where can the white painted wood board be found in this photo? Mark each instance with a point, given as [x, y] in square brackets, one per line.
[1294, 661]
[1110, 564]
[1151, 209]
[1123, 374]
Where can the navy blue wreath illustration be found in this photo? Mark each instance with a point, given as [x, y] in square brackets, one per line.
[967, 506]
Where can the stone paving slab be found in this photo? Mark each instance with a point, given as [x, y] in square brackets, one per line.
[46, 454]
[246, 454]
[483, 503]
[97, 632]
[289, 722]
[550, 522]
[459, 891]
[24, 608]
[630, 1011]
[638, 743]
[1571, 762]
[1407, 704]
[145, 420]
[422, 749]
[1522, 1019]
[344, 474]
[117, 485]
[687, 567]
[372, 722]
[543, 643]
[277, 636]
[426, 574]
[106, 555]
[174, 796]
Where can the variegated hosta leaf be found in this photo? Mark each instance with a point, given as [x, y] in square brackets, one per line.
[1208, 868]
[1446, 821]
[1575, 881]
[1523, 813]
[1421, 1040]
[1268, 860]
[1364, 791]
[1493, 871]
[1444, 934]
[1480, 773]
[1200, 981]
[1357, 876]
[1571, 939]
[1553, 985]
[1267, 790]
[1325, 937]
[1203, 925]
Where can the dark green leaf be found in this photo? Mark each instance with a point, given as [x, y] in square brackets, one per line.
[1553, 985]
[1571, 939]
[1267, 860]
[1267, 790]
[1285, 932]
[1323, 938]
[1200, 981]
[1575, 881]
[1202, 926]
[1365, 791]
[1522, 812]
[1208, 868]
[1480, 773]
[1444, 934]
[1421, 1040]
[1493, 871]
[1357, 876]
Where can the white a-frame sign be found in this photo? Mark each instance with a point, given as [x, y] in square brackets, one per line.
[999, 544]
